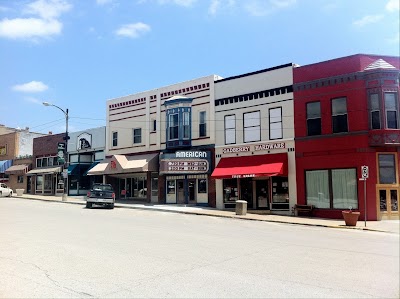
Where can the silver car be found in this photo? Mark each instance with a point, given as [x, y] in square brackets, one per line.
[5, 190]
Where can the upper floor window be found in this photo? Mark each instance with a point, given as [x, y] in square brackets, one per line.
[275, 123]
[251, 126]
[375, 111]
[173, 126]
[313, 118]
[391, 110]
[202, 124]
[230, 129]
[154, 125]
[114, 138]
[186, 125]
[339, 115]
[137, 135]
[47, 161]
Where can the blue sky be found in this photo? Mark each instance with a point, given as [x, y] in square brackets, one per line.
[77, 54]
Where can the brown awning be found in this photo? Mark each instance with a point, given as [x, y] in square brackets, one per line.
[18, 169]
[120, 164]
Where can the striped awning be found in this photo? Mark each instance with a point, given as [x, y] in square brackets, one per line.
[4, 165]
[18, 169]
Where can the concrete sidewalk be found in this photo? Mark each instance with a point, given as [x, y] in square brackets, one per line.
[387, 226]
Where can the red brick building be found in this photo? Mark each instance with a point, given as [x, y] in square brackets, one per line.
[46, 175]
[346, 117]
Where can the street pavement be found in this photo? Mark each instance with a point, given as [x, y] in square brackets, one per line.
[387, 226]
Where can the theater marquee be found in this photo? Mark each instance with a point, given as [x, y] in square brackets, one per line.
[185, 162]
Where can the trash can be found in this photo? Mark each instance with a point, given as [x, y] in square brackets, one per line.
[241, 207]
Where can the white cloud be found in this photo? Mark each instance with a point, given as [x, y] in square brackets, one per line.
[218, 5]
[31, 87]
[367, 20]
[44, 24]
[133, 30]
[47, 9]
[262, 8]
[393, 5]
[185, 3]
[103, 2]
[29, 28]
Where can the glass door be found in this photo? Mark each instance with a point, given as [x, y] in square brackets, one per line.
[389, 203]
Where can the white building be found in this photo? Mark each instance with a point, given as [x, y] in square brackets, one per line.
[255, 157]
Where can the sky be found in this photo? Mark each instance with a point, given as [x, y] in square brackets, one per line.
[77, 54]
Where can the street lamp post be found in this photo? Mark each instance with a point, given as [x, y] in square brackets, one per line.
[65, 194]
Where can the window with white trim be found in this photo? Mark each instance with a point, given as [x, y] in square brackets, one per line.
[275, 123]
[114, 138]
[186, 125]
[251, 126]
[313, 118]
[173, 126]
[202, 124]
[391, 110]
[339, 115]
[137, 135]
[230, 129]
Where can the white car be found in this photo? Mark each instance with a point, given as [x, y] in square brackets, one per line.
[5, 190]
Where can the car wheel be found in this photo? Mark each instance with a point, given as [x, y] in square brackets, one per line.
[88, 205]
[111, 206]
[10, 194]
[1, 194]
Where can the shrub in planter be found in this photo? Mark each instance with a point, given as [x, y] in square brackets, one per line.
[350, 217]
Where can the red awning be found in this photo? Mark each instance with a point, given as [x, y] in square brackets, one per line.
[251, 166]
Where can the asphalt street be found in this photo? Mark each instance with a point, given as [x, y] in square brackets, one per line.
[52, 250]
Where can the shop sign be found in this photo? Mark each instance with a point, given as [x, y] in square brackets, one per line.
[61, 153]
[113, 164]
[239, 149]
[185, 162]
[240, 176]
[269, 146]
[84, 141]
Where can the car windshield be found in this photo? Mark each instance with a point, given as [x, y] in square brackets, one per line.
[102, 187]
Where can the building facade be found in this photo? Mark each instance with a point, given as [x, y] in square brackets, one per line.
[16, 148]
[254, 148]
[85, 150]
[46, 176]
[346, 121]
[160, 144]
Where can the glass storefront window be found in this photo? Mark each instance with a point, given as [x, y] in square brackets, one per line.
[280, 193]
[387, 169]
[230, 190]
[39, 182]
[202, 186]
[154, 184]
[171, 187]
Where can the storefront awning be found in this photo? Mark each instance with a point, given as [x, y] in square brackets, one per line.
[251, 166]
[18, 169]
[120, 164]
[4, 165]
[90, 167]
[44, 170]
[73, 169]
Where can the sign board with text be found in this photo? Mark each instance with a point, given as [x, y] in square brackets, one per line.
[185, 162]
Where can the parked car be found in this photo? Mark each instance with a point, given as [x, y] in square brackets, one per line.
[5, 190]
[101, 194]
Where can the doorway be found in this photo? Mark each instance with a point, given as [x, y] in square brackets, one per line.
[388, 203]
[262, 194]
[181, 191]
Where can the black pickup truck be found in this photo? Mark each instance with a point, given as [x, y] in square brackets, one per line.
[101, 194]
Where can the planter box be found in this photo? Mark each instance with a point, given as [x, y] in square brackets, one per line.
[20, 191]
[350, 217]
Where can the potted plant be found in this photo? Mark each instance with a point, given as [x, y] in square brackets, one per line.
[350, 217]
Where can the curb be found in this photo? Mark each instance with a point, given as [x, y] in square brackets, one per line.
[119, 206]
